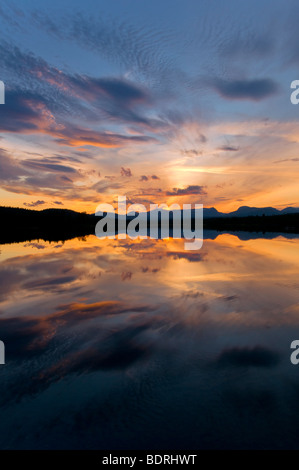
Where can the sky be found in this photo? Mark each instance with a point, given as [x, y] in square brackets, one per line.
[166, 101]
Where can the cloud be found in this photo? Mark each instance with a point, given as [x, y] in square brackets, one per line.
[124, 355]
[115, 346]
[30, 113]
[25, 112]
[105, 186]
[126, 172]
[146, 178]
[287, 160]
[228, 148]
[36, 69]
[30, 335]
[50, 167]
[142, 50]
[126, 276]
[38, 246]
[47, 100]
[229, 298]
[143, 178]
[248, 357]
[10, 279]
[34, 204]
[10, 169]
[191, 153]
[75, 136]
[29, 176]
[46, 96]
[50, 282]
[188, 191]
[123, 104]
[255, 90]
[249, 44]
[192, 257]
[120, 90]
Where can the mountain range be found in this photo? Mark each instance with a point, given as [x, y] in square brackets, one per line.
[246, 211]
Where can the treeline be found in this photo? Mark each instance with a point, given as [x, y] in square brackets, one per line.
[19, 225]
[286, 223]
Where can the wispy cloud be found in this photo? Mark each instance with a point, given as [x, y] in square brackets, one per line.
[228, 148]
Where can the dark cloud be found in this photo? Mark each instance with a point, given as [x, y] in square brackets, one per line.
[50, 282]
[146, 269]
[52, 184]
[10, 279]
[30, 334]
[248, 45]
[38, 246]
[44, 99]
[126, 172]
[287, 160]
[256, 89]
[192, 257]
[146, 178]
[34, 204]
[41, 166]
[25, 176]
[24, 111]
[18, 178]
[124, 355]
[30, 113]
[46, 94]
[10, 169]
[126, 276]
[229, 298]
[30, 338]
[191, 152]
[188, 191]
[118, 98]
[248, 357]
[120, 90]
[228, 148]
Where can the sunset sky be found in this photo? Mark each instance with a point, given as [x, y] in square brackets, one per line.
[161, 101]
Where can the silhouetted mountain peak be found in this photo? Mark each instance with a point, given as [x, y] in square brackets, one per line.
[246, 211]
[211, 212]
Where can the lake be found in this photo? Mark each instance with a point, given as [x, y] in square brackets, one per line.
[143, 345]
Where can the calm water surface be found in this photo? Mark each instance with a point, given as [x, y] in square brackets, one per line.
[127, 345]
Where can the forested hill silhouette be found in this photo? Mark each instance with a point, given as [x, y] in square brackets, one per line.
[18, 225]
[49, 224]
